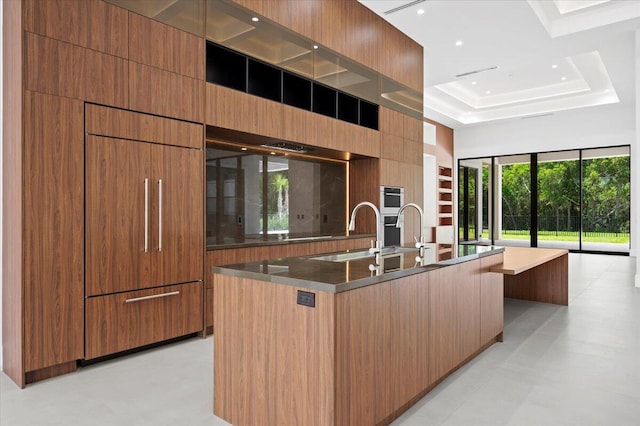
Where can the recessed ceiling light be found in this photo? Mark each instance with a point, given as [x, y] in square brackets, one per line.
[315, 46]
[459, 43]
[420, 11]
[474, 82]
[273, 153]
[488, 92]
[255, 19]
[243, 148]
[563, 78]
[554, 66]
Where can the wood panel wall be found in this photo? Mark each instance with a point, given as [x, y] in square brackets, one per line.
[63, 69]
[272, 331]
[96, 25]
[124, 124]
[252, 114]
[12, 169]
[54, 229]
[165, 93]
[160, 46]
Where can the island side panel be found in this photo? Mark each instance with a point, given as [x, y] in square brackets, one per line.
[548, 283]
[273, 358]
[491, 300]
[363, 355]
[409, 338]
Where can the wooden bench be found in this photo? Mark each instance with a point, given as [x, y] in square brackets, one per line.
[536, 274]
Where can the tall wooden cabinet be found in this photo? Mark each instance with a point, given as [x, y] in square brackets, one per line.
[144, 235]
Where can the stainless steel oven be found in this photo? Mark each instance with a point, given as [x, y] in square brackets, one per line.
[391, 199]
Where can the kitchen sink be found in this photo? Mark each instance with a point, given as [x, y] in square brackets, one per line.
[361, 254]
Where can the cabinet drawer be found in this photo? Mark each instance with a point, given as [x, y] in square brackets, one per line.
[124, 321]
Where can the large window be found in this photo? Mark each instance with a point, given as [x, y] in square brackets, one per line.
[259, 195]
[578, 200]
[514, 199]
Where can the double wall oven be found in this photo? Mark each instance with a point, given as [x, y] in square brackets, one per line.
[391, 199]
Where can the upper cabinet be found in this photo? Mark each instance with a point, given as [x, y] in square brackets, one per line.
[95, 25]
[349, 29]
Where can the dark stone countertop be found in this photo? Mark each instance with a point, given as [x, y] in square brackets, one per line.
[338, 276]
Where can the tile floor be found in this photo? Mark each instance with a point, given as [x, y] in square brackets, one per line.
[557, 366]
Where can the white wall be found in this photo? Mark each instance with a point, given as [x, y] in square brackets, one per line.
[582, 128]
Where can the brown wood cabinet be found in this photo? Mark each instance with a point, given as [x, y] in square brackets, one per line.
[454, 317]
[144, 215]
[123, 321]
[491, 299]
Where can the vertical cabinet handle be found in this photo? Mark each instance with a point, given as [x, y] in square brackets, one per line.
[146, 215]
[160, 215]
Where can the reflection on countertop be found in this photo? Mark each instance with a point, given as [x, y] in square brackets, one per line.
[336, 272]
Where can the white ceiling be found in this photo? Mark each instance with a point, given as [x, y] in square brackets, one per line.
[535, 57]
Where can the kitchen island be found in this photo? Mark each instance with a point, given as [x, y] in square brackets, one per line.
[341, 340]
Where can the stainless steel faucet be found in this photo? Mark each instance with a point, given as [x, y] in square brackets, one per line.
[352, 226]
[420, 244]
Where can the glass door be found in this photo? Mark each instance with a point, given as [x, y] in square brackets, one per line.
[558, 210]
[468, 203]
[514, 207]
[606, 195]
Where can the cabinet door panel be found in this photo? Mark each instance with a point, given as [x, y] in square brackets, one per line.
[178, 218]
[115, 215]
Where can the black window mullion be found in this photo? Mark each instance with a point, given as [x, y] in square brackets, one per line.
[580, 198]
[534, 200]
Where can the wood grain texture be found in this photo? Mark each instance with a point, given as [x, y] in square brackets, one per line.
[548, 282]
[94, 24]
[249, 114]
[391, 147]
[363, 34]
[71, 71]
[491, 299]
[454, 317]
[363, 355]
[413, 152]
[12, 193]
[113, 325]
[520, 259]
[413, 129]
[409, 338]
[263, 342]
[53, 371]
[391, 172]
[391, 122]
[165, 93]
[298, 16]
[123, 124]
[467, 302]
[53, 230]
[353, 138]
[115, 213]
[161, 46]
[363, 176]
[177, 239]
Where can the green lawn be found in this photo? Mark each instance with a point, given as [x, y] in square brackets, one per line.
[587, 237]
